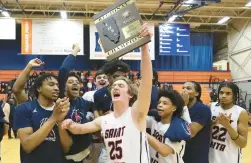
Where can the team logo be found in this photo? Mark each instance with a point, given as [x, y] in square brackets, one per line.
[76, 116]
[111, 30]
[187, 128]
[51, 136]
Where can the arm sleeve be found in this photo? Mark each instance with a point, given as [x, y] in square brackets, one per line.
[186, 115]
[22, 117]
[63, 73]
[203, 115]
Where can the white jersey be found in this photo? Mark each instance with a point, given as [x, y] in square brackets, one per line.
[124, 142]
[158, 130]
[89, 96]
[222, 148]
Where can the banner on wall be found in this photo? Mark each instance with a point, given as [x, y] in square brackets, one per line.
[174, 39]
[7, 29]
[51, 37]
[96, 52]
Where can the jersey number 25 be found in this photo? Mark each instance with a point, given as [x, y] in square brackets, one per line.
[116, 149]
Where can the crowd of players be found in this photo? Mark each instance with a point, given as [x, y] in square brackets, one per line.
[109, 124]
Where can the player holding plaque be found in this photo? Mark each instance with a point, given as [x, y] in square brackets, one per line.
[119, 29]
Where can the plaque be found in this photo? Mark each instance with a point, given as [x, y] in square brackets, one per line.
[119, 29]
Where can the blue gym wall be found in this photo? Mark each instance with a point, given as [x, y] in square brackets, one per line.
[201, 58]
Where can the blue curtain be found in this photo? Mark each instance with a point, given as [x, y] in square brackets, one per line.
[200, 59]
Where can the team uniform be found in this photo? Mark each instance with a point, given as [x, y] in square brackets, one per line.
[158, 130]
[78, 113]
[197, 148]
[81, 143]
[124, 142]
[31, 114]
[222, 147]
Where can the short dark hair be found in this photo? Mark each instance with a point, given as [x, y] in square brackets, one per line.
[39, 81]
[176, 100]
[74, 74]
[115, 65]
[235, 90]
[99, 72]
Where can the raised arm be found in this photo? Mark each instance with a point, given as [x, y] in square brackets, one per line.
[65, 68]
[141, 106]
[19, 85]
[86, 128]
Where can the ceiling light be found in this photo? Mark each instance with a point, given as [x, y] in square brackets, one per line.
[5, 13]
[223, 20]
[63, 14]
[172, 18]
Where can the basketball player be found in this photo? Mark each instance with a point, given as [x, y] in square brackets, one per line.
[36, 123]
[102, 97]
[69, 85]
[197, 148]
[170, 108]
[124, 130]
[230, 126]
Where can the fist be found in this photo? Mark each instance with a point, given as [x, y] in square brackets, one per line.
[66, 124]
[35, 63]
[145, 31]
[76, 47]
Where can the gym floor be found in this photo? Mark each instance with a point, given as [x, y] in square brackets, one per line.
[10, 150]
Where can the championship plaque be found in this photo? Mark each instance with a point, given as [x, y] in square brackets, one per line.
[119, 29]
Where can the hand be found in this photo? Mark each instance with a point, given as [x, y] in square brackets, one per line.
[65, 107]
[185, 96]
[66, 124]
[60, 109]
[35, 63]
[145, 31]
[224, 120]
[75, 49]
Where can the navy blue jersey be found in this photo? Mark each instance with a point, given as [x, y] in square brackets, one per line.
[197, 148]
[78, 108]
[103, 100]
[78, 112]
[31, 114]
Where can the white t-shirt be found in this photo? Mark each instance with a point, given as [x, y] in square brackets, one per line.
[89, 96]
